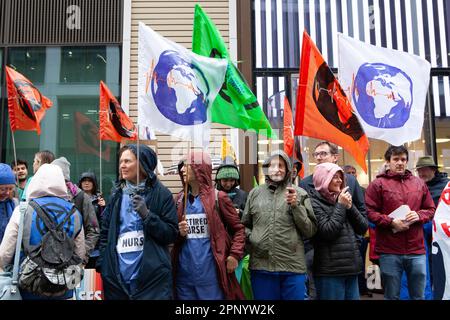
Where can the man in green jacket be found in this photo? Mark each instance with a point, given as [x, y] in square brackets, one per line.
[277, 218]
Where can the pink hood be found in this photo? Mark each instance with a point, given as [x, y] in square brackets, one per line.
[323, 174]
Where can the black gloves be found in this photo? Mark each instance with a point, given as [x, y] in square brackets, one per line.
[139, 206]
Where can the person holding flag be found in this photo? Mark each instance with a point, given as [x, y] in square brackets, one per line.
[277, 217]
[211, 237]
[138, 224]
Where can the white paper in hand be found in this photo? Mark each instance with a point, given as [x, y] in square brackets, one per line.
[400, 212]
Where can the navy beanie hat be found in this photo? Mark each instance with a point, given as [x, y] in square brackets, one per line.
[6, 175]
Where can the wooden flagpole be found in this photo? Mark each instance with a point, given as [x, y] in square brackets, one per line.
[186, 182]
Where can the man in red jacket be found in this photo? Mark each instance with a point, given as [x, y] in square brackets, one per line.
[400, 242]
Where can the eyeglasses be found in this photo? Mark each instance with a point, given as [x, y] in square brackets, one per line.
[321, 154]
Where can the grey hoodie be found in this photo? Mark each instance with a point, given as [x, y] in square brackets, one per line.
[83, 203]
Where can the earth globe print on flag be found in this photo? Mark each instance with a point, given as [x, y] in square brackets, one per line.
[180, 89]
[382, 95]
[387, 89]
[176, 88]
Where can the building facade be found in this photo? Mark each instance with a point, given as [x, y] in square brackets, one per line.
[65, 48]
[418, 27]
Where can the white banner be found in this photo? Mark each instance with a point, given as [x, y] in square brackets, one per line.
[176, 88]
[441, 247]
[387, 89]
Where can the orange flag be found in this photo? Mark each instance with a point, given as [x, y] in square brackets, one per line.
[86, 137]
[115, 125]
[323, 110]
[291, 143]
[288, 132]
[26, 105]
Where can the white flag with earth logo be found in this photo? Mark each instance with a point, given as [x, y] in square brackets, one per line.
[387, 89]
[176, 88]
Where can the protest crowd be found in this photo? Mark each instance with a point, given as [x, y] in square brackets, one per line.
[289, 238]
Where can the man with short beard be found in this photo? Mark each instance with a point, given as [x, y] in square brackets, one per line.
[20, 169]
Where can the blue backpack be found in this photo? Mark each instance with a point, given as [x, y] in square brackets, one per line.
[51, 268]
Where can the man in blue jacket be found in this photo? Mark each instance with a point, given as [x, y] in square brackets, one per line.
[138, 224]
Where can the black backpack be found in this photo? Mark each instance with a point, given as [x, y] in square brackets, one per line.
[51, 268]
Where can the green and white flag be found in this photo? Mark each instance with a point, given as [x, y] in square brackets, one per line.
[176, 88]
[236, 105]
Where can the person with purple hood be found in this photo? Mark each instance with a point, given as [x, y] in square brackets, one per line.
[337, 260]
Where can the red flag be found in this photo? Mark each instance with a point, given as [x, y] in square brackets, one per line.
[86, 135]
[115, 125]
[323, 110]
[288, 132]
[291, 143]
[26, 105]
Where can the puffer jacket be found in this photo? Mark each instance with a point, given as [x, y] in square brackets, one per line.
[336, 251]
[274, 231]
[385, 194]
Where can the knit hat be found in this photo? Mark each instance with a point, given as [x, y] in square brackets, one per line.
[227, 173]
[6, 175]
[64, 165]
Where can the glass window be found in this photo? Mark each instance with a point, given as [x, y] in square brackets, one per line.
[70, 126]
[30, 62]
[83, 64]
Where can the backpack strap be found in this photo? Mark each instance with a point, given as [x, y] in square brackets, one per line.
[48, 221]
[71, 212]
[15, 276]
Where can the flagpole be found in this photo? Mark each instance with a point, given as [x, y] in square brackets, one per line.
[101, 180]
[15, 155]
[293, 138]
[186, 182]
[137, 156]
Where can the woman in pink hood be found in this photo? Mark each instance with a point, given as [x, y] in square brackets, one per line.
[337, 261]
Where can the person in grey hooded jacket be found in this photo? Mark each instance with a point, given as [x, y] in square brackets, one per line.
[277, 217]
[83, 203]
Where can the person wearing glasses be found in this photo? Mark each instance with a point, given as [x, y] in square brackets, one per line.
[326, 152]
